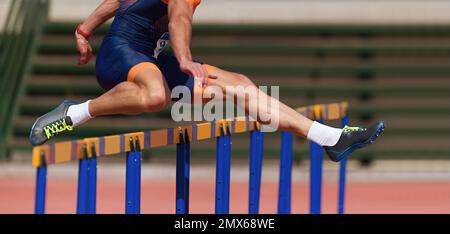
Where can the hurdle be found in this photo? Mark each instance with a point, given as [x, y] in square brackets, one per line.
[87, 151]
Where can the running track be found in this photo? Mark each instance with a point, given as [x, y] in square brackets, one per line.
[158, 196]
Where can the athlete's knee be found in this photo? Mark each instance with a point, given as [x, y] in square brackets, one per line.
[154, 100]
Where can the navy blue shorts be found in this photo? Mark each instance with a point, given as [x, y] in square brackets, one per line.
[116, 60]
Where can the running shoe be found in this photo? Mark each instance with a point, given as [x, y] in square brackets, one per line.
[353, 138]
[51, 124]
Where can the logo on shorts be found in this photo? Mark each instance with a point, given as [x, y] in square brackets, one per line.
[161, 44]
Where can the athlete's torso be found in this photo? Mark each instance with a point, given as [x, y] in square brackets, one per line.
[142, 24]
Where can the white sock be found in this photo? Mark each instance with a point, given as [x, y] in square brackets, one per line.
[324, 135]
[79, 113]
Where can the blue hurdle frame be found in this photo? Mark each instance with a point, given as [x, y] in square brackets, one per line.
[342, 174]
[223, 167]
[41, 185]
[133, 178]
[255, 169]
[284, 185]
[87, 182]
[183, 174]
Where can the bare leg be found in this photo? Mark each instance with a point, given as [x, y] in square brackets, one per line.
[147, 93]
[289, 119]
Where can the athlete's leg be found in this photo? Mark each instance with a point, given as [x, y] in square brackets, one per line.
[288, 118]
[337, 142]
[144, 91]
[148, 92]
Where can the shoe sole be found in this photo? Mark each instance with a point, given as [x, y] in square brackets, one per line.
[363, 144]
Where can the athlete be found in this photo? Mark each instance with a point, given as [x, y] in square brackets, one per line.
[138, 77]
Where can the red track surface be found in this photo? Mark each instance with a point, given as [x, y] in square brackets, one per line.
[17, 196]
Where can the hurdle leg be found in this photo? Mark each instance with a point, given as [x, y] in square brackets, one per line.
[181, 191]
[284, 190]
[82, 184]
[180, 197]
[316, 159]
[130, 184]
[219, 174]
[92, 182]
[137, 176]
[342, 176]
[223, 174]
[187, 171]
[133, 178]
[41, 187]
[227, 172]
[256, 157]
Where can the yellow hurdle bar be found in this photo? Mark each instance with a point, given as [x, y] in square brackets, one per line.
[61, 152]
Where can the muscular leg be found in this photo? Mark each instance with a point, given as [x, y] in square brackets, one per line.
[147, 93]
[289, 119]
[338, 143]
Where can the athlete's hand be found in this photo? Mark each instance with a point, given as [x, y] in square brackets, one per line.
[84, 48]
[196, 70]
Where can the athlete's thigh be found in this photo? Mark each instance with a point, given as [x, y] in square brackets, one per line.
[230, 83]
[226, 78]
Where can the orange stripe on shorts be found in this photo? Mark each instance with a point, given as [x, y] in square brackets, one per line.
[134, 71]
[195, 3]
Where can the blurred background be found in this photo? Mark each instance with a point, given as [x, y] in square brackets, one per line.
[388, 58]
